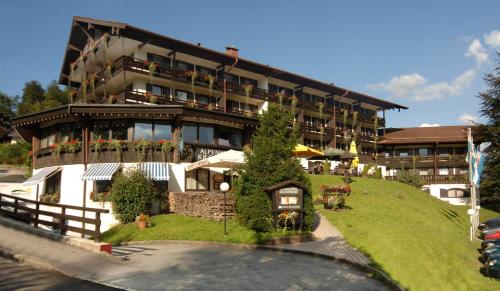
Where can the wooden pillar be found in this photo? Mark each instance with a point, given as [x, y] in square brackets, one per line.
[334, 120]
[177, 130]
[85, 147]
[35, 146]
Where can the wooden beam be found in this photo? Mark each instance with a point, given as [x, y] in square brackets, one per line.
[71, 46]
[85, 31]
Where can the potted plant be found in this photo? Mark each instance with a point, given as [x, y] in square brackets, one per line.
[59, 148]
[211, 80]
[321, 107]
[281, 96]
[295, 100]
[152, 69]
[116, 146]
[166, 147]
[142, 147]
[73, 146]
[142, 221]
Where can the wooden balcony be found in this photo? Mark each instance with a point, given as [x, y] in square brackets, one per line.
[201, 80]
[438, 179]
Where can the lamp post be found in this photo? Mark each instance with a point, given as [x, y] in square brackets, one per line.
[471, 212]
[224, 187]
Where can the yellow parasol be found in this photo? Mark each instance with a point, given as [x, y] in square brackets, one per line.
[305, 152]
[354, 152]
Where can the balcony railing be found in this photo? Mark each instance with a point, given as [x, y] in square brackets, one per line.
[438, 179]
[201, 80]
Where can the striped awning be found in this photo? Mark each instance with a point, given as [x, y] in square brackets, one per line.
[100, 172]
[155, 171]
[41, 175]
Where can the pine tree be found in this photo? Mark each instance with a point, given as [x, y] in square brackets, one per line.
[32, 98]
[490, 132]
[269, 162]
[7, 104]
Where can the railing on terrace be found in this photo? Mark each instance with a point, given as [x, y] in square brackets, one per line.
[60, 217]
[200, 80]
[438, 179]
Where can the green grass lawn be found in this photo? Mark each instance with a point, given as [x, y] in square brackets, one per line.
[420, 241]
[177, 227]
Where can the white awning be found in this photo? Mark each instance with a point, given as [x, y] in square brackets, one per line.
[41, 175]
[227, 159]
[100, 172]
[155, 171]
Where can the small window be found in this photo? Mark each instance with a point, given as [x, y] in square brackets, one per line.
[443, 171]
[181, 95]
[65, 133]
[101, 130]
[198, 179]
[119, 130]
[102, 186]
[53, 184]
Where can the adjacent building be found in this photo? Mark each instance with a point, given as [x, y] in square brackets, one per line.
[436, 154]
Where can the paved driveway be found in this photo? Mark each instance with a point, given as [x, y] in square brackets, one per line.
[177, 266]
[15, 276]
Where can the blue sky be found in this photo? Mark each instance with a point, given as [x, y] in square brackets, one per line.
[428, 55]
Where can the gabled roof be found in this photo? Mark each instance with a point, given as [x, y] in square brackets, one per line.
[84, 27]
[426, 135]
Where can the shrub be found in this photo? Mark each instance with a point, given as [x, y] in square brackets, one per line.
[378, 173]
[254, 211]
[131, 194]
[326, 167]
[410, 179]
[16, 154]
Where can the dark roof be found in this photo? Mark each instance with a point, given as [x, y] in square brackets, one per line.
[84, 27]
[426, 135]
[285, 184]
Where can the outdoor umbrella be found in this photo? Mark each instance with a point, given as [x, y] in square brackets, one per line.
[354, 152]
[228, 159]
[306, 152]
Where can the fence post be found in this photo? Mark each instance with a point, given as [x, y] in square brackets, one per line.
[16, 201]
[62, 220]
[37, 209]
[97, 227]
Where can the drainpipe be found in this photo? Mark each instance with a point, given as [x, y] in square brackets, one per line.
[231, 51]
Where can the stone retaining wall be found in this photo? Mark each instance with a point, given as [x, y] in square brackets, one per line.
[201, 204]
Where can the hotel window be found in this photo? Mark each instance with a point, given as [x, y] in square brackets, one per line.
[65, 131]
[272, 88]
[102, 186]
[443, 151]
[454, 193]
[424, 152]
[47, 138]
[205, 71]
[143, 131]
[189, 133]
[202, 99]
[205, 134]
[183, 66]
[198, 180]
[162, 132]
[158, 90]
[119, 129]
[229, 137]
[164, 62]
[245, 80]
[53, 184]
[101, 130]
[181, 95]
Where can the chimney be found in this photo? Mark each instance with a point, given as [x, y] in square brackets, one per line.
[232, 51]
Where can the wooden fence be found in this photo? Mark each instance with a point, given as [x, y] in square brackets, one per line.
[29, 211]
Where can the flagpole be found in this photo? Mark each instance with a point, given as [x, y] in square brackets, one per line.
[471, 155]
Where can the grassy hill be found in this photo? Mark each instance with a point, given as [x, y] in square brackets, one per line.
[420, 241]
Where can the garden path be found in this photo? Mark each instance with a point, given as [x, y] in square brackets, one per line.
[329, 242]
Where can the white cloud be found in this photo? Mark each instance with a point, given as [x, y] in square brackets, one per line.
[477, 51]
[416, 87]
[467, 119]
[429, 125]
[493, 39]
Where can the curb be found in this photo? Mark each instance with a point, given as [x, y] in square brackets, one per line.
[371, 271]
[40, 264]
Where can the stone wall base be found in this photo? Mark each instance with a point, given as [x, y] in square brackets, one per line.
[207, 205]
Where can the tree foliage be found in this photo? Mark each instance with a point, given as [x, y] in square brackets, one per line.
[35, 98]
[131, 194]
[490, 132]
[7, 104]
[269, 162]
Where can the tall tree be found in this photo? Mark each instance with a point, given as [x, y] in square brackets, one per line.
[490, 109]
[7, 104]
[54, 96]
[32, 98]
[269, 162]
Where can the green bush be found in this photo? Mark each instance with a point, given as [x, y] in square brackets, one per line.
[410, 179]
[326, 167]
[16, 154]
[131, 194]
[378, 173]
[254, 212]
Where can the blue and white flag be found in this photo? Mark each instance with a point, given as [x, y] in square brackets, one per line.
[181, 141]
[477, 167]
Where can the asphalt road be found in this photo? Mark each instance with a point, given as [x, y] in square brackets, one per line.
[178, 266]
[15, 276]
